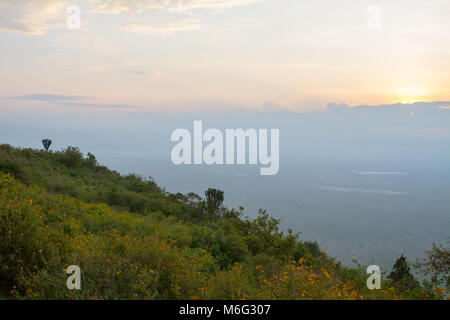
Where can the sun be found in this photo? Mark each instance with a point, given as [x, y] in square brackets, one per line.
[410, 95]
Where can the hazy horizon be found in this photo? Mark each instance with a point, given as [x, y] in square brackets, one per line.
[367, 183]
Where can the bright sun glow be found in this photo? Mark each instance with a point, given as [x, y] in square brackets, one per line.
[410, 94]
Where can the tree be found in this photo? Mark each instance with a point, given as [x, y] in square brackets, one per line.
[46, 143]
[437, 264]
[72, 157]
[214, 199]
[401, 275]
[91, 161]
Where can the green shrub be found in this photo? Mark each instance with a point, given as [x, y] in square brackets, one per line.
[72, 157]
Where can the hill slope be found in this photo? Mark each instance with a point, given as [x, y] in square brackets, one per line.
[133, 240]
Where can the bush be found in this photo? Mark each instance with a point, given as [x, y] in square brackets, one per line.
[11, 167]
[72, 157]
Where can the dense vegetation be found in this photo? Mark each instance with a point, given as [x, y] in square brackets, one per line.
[133, 240]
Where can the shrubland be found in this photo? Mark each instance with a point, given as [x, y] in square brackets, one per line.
[134, 240]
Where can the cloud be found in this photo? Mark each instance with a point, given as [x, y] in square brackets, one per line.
[137, 71]
[444, 107]
[98, 105]
[141, 72]
[378, 172]
[32, 17]
[35, 17]
[50, 97]
[363, 191]
[70, 101]
[337, 107]
[310, 104]
[146, 27]
[314, 66]
[123, 62]
[138, 6]
[156, 74]
[273, 107]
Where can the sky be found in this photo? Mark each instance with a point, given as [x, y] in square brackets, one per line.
[213, 55]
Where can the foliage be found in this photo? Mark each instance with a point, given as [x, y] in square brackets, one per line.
[437, 264]
[401, 275]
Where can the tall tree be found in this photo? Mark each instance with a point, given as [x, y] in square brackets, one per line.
[47, 143]
[401, 274]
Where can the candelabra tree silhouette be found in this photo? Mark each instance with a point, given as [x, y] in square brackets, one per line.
[47, 143]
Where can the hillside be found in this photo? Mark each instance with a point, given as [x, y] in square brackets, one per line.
[133, 240]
